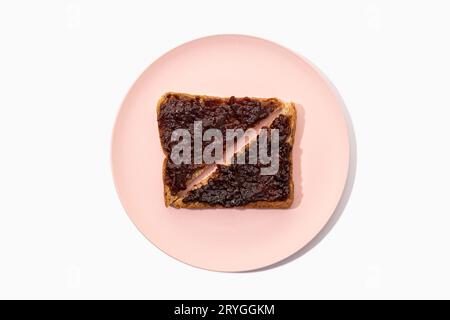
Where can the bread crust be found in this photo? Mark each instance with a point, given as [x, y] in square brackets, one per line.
[287, 109]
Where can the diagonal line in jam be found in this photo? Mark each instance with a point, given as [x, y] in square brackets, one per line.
[237, 147]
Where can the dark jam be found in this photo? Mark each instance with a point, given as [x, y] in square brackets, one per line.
[240, 184]
[180, 112]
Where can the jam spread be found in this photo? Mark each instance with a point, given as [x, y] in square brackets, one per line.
[239, 184]
[180, 112]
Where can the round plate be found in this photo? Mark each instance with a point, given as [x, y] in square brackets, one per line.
[232, 239]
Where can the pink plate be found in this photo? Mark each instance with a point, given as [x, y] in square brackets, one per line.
[232, 239]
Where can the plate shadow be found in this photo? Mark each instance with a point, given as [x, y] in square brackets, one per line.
[345, 194]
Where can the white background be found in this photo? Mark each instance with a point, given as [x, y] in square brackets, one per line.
[66, 66]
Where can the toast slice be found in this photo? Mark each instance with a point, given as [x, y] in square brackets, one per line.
[180, 111]
[242, 185]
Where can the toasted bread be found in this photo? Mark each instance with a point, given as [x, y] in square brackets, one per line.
[177, 200]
